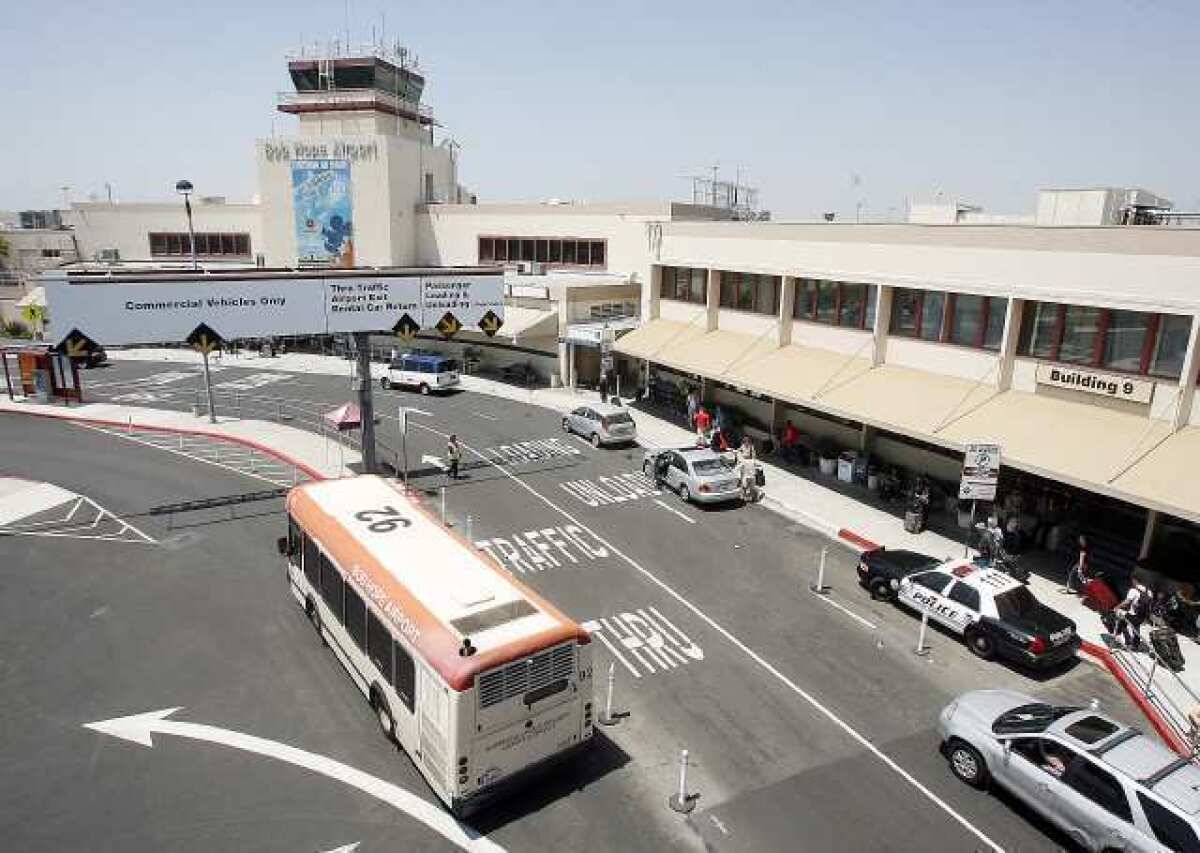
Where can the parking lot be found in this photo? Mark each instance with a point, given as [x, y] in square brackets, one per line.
[806, 716]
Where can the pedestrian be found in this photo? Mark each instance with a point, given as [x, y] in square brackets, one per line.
[1132, 612]
[746, 467]
[602, 386]
[453, 455]
[693, 404]
[1080, 571]
[703, 426]
[790, 441]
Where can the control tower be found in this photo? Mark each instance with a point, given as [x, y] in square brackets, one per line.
[342, 190]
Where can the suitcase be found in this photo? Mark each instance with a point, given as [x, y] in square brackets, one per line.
[1166, 645]
[1099, 596]
[760, 478]
[1109, 619]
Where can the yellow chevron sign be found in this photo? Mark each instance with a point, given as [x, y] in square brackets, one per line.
[490, 323]
[406, 327]
[76, 345]
[448, 326]
[204, 340]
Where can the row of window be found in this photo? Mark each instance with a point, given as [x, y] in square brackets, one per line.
[747, 291]
[366, 630]
[836, 303]
[165, 244]
[555, 251]
[956, 318]
[1128, 341]
[685, 284]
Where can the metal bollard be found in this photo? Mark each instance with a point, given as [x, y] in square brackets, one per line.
[819, 587]
[682, 801]
[921, 648]
[606, 718]
[181, 441]
[443, 506]
[470, 537]
[129, 429]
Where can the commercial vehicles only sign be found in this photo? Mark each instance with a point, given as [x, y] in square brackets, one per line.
[980, 473]
[161, 309]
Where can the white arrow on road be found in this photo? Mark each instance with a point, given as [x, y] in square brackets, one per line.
[415, 411]
[350, 848]
[429, 459]
[140, 727]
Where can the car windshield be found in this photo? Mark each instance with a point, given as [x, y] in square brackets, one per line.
[1026, 719]
[618, 418]
[449, 365]
[1017, 603]
[910, 559]
[708, 466]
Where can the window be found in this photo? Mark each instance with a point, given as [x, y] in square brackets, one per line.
[405, 681]
[1099, 786]
[556, 251]
[1080, 332]
[749, 292]
[965, 595]
[854, 305]
[932, 309]
[331, 587]
[803, 307]
[1091, 729]
[356, 618]
[685, 285]
[166, 244]
[827, 301]
[935, 581]
[541, 251]
[500, 247]
[1172, 831]
[312, 562]
[598, 252]
[1125, 340]
[1115, 339]
[379, 646]
[293, 539]
[51, 253]
[1170, 345]
[966, 325]
[993, 332]
[906, 311]
[487, 250]
[837, 303]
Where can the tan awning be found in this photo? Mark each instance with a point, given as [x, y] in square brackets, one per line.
[657, 340]
[1168, 477]
[524, 323]
[36, 296]
[796, 373]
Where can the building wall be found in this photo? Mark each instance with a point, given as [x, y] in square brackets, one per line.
[126, 227]
[820, 336]
[976, 365]
[746, 322]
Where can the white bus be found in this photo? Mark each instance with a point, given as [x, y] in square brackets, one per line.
[476, 677]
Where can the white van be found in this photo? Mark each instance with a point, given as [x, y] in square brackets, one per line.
[424, 371]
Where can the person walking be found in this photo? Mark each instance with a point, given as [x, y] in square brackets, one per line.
[1132, 612]
[693, 404]
[453, 455]
[602, 386]
[746, 468]
[703, 425]
[1080, 571]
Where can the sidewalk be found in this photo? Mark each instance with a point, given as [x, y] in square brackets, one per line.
[840, 516]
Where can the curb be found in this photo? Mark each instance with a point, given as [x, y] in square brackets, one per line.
[219, 436]
[857, 541]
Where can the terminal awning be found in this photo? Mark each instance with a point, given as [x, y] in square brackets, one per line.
[796, 373]
[1167, 478]
[524, 323]
[657, 340]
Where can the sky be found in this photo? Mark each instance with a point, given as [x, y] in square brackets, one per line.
[821, 106]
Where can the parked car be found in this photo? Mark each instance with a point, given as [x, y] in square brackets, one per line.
[995, 614]
[1106, 785]
[881, 570]
[424, 371]
[601, 423]
[697, 474]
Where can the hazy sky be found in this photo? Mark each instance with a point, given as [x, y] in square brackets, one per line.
[619, 100]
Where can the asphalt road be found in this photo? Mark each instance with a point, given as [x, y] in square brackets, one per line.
[809, 720]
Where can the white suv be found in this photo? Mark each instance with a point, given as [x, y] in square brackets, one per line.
[1107, 786]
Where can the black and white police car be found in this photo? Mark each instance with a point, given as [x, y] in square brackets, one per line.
[995, 614]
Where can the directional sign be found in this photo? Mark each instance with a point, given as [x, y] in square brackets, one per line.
[76, 345]
[204, 339]
[140, 729]
[490, 323]
[448, 326]
[406, 327]
[980, 472]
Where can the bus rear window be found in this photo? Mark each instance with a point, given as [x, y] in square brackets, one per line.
[494, 617]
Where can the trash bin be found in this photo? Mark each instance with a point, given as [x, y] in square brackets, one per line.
[845, 467]
[914, 521]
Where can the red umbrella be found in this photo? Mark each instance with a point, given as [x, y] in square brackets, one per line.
[345, 417]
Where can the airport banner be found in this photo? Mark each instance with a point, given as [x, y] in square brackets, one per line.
[258, 306]
[323, 212]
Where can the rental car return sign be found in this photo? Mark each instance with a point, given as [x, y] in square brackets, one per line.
[143, 307]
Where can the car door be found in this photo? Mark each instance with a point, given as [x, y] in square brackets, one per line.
[1095, 806]
[577, 419]
[1023, 769]
[677, 472]
[963, 598]
[923, 591]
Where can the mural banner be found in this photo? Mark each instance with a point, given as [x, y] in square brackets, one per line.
[322, 208]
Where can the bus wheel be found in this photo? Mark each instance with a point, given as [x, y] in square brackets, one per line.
[314, 616]
[424, 389]
[385, 383]
[386, 724]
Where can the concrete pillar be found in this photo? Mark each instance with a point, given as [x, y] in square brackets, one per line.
[1187, 378]
[787, 298]
[1148, 534]
[713, 302]
[1008, 343]
[366, 407]
[564, 362]
[650, 299]
[571, 364]
[866, 436]
[883, 324]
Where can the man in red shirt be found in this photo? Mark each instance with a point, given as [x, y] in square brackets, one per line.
[703, 425]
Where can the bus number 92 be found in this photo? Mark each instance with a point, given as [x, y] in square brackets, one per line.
[382, 520]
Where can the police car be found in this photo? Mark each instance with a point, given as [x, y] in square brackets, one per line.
[995, 614]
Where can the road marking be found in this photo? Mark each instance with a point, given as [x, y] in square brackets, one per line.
[523, 452]
[254, 380]
[485, 417]
[606, 490]
[847, 611]
[78, 517]
[534, 551]
[429, 459]
[674, 511]
[766, 665]
[650, 638]
[140, 729]
[345, 848]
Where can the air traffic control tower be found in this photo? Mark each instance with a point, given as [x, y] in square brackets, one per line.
[343, 189]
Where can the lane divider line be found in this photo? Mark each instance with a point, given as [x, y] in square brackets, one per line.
[770, 668]
[674, 511]
[870, 625]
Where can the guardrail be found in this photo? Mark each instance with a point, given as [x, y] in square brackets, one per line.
[1164, 690]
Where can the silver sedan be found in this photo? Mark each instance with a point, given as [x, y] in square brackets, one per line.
[697, 474]
[601, 423]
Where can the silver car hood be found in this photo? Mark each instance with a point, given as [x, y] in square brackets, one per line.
[987, 705]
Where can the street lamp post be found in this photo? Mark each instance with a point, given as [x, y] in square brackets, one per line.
[184, 188]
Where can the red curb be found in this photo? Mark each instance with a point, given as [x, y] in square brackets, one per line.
[232, 439]
[1151, 713]
[860, 541]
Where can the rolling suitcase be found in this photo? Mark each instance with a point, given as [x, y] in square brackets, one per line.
[1166, 646]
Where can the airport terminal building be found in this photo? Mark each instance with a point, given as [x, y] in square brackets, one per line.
[1070, 337]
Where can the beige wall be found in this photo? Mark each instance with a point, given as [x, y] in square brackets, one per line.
[976, 365]
[125, 227]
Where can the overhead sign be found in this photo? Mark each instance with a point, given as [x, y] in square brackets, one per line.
[76, 345]
[980, 473]
[204, 340]
[1089, 381]
[263, 305]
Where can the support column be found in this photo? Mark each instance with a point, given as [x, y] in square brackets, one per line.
[883, 324]
[366, 406]
[1187, 377]
[713, 301]
[650, 303]
[787, 298]
[1008, 343]
[571, 359]
[866, 438]
[564, 363]
[1148, 534]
